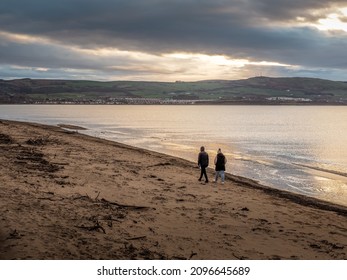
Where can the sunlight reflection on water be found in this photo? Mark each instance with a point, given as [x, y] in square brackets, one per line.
[296, 148]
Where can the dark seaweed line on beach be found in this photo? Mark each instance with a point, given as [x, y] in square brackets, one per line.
[294, 197]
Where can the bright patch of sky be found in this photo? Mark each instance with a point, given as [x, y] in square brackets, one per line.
[334, 21]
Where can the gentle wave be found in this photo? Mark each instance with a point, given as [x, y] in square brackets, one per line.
[343, 174]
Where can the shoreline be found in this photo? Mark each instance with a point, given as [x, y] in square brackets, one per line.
[152, 198]
[295, 197]
[247, 182]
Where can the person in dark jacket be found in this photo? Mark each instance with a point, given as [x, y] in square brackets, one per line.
[220, 161]
[203, 163]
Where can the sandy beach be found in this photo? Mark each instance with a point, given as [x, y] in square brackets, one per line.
[65, 195]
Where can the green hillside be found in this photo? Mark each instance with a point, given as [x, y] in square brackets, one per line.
[257, 90]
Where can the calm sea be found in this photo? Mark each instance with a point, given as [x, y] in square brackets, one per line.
[302, 149]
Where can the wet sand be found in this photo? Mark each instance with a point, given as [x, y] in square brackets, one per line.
[65, 195]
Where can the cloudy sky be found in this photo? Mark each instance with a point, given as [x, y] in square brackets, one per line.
[169, 40]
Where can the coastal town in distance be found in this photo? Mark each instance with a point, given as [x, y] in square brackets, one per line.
[253, 91]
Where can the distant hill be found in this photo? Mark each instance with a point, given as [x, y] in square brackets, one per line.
[257, 90]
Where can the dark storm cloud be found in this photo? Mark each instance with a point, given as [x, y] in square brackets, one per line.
[41, 55]
[287, 10]
[252, 29]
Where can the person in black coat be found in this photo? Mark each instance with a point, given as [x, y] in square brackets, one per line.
[203, 162]
[220, 161]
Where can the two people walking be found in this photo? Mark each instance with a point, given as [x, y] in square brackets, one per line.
[219, 161]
